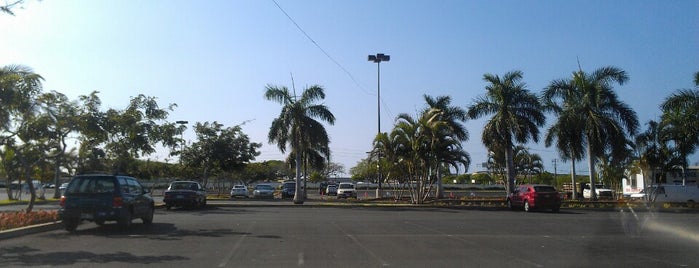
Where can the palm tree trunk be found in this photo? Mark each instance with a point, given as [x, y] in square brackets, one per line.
[440, 188]
[591, 164]
[509, 165]
[298, 196]
[572, 179]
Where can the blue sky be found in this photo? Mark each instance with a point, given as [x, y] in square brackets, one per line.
[214, 58]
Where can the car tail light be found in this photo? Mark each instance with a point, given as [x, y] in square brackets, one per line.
[117, 202]
[63, 201]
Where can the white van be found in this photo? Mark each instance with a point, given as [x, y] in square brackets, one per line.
[675, 193]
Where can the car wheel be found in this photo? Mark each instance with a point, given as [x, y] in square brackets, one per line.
[148, 219]
[527, 208]
[125, 221]
[70, 224]
[203, 203]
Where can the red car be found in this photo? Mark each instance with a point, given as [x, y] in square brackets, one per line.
[534, 196]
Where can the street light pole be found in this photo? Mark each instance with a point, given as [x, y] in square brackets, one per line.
[378, 58]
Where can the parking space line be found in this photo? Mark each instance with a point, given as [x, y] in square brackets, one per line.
[236, 246]
[362, 246]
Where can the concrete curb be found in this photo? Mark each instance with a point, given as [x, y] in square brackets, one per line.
[32, 229]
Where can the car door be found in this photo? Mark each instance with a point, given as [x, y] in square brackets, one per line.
[517, 196]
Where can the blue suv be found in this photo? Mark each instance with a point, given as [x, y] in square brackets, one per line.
[101, 197]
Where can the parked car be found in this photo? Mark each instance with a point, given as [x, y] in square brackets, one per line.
[331, 190]
[239, 191]
[534, 196]
[322, 187]
[602, 191]
[185, 194]
[263, 191]
[103, 197]
[346, 190]
[288, 189]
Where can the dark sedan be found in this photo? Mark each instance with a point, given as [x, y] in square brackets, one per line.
[185, 194]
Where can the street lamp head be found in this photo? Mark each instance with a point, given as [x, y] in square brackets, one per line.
[379, 57]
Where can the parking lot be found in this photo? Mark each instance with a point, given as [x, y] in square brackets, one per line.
[313, 236]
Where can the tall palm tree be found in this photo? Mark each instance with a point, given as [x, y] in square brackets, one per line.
[517, 116]
[296, 125]
[595, 111]
[452, 117]
[568, 128]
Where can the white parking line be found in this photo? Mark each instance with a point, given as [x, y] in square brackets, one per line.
[236, 246]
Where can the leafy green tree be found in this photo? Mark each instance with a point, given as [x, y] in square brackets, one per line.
[122, 136]
[595, 111]
[219, 149]
[296, 125]
[517, 116]
[60, 117]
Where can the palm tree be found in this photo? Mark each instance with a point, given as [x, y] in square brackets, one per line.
[568, 128]
[653, 151]
[594, 110]
[18, 85]
[527, 163]
[296, 125]
[681, 114]
[517, 116]
[452, 116]
[422, 146]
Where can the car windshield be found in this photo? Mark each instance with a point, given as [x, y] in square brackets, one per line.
[347, 186]
[263, 187]
[289, 185]
[238, 187]
[183, 186]
[544, 189]
[91, 185]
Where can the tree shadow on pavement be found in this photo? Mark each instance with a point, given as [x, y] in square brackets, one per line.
[26, 256]
[154, 231]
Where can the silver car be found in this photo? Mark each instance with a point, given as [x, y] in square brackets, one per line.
[263, 191]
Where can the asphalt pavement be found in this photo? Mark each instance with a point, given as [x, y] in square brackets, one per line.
[339, 236]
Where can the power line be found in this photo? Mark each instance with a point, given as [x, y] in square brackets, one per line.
[321, 49]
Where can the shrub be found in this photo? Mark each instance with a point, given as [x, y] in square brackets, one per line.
[11, 220]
